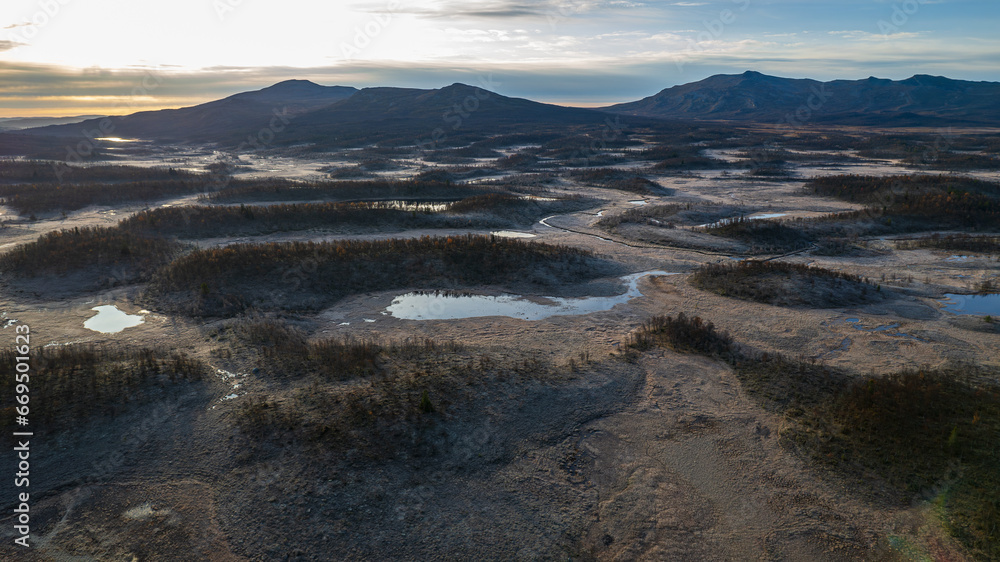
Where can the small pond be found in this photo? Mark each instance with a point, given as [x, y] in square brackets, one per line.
[980, 305]
[110, 320]
[444, 306]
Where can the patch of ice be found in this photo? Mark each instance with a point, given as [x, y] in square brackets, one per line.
[512, 234]
[110, 320]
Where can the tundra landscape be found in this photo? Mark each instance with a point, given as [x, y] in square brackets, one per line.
[746, 318]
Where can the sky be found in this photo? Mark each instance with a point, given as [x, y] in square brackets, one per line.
[83, 57]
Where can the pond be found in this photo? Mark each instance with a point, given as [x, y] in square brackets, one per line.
[444, 306]
[110, 320]
[980, 305]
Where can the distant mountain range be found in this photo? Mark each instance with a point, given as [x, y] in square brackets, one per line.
[758, 98]
[14, 123]
[304, 112]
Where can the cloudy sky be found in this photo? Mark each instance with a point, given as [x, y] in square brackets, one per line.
[72, 57]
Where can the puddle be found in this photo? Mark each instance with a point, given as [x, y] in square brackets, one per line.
[512, 234]
[110, 320]
[440, 306]
[890, 330]
[639, 202]
[980, 305]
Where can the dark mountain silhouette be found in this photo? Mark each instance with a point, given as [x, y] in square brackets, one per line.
[754, 97]
[336, 116]
[240, 114]
[429, 116]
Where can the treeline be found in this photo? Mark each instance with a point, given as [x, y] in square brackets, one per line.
[917, 429]
[620, 179]
[46, 197]
[45, 171]
[912, 203]
[914, 429]
[389, 412]
[72, 384]
[762, 235]
[307, 275]
[954, 243]
[285, 190]
[242, 220]
[493, 210]
[63, 251]
[886, 189]
[656, 215]
[283, 352]
[782, 283]
[679, 157]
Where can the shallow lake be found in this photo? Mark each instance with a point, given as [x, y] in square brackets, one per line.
[973, 304]
[110, 320]
[443, 306]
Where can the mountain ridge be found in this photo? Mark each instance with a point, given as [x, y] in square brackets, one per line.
[756, 97]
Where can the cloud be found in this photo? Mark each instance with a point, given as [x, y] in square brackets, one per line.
[484, 9]
[8, 45]
[868, 36]
[513, 9]
[621, 66]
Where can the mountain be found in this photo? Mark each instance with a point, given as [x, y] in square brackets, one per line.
[14, 123]
[754, 97]
[240, 114]
[415, 115]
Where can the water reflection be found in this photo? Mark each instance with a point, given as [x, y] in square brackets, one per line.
[442, 306]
